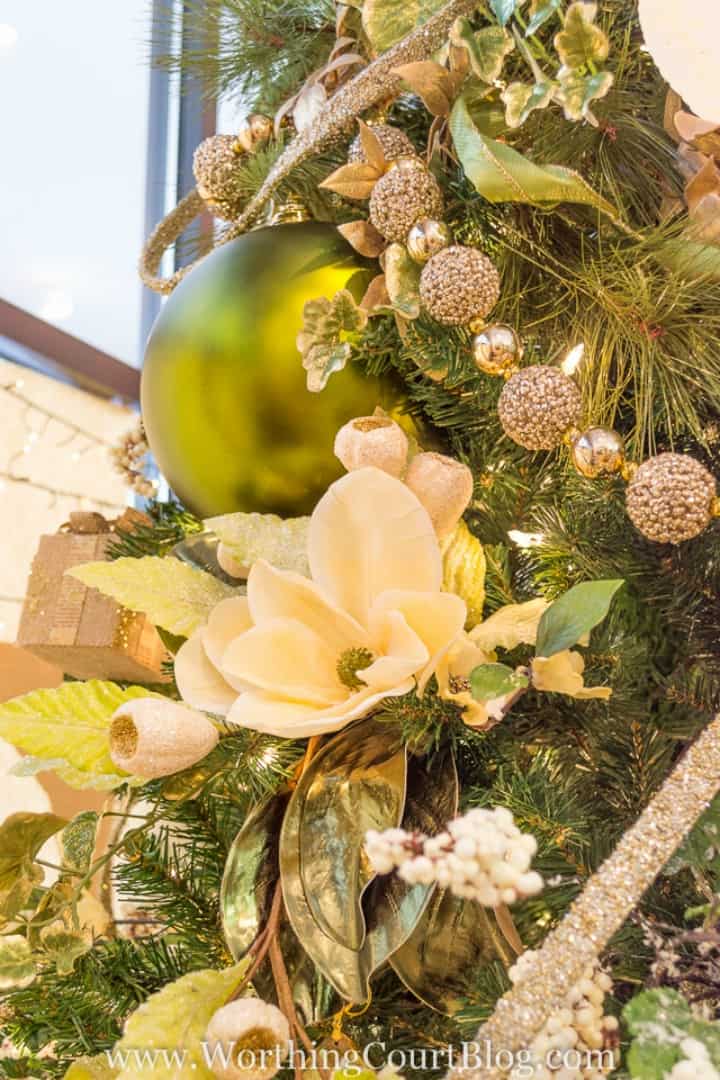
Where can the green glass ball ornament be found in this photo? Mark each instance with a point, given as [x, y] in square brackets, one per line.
[224, 399]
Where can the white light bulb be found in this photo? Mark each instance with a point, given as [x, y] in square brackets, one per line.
[573, 360]
[526, 540]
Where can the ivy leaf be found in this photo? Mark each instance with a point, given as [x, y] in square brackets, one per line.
[577, 92]
[387, 21]
[581, 42]
[574, 615]
[540, 15]
[660, 1021]
[322, 338]
[700, 850]
[70, 723]
[77, 841]
[402, 280]
[464, 568]
[282, 541]
[64, 945]
[501, 174]
[503, 10]
[17, 967]
[486, 48]
[521, 99]
[21, 837]
[177, 1016]
[491, 681]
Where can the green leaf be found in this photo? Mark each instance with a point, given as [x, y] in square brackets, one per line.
[177, 1017]
[521, 99]
[577, 92]
[388, 21]
[77, 841]
[660, 1020]
[64, 945]
[402, 279]
[172, 594]
[486, 48]
[282, 541]
[501, 174]
[574, 615]
[541, 14]
[581, 42]
[503, 10]
[464, 568]
[322, 339]
[491, 681]
[17, 967]
[700, 851]
[21, 837]
[69, 723]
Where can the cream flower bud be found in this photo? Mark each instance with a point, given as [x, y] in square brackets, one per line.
[228, 562]
[372, 440]
[444, 486]
[152, 737]
[247, 1040]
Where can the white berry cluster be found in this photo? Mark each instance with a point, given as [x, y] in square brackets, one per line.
[696, 1064]
[567, 1046]
[481, 856]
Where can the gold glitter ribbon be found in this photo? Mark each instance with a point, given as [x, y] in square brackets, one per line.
[374, 83]
[603, 906]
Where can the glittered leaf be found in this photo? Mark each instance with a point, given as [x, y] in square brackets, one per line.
[177, 1016]
[521, 99]
[581, 42]
[700, 851]
[69, 723]
[573, 615]
[63, 945]
[91, 1068]
[77, 841]
[354, 181]
[172, 594]
[281, 541]
[376, 298]
[659, 1021]
[364, 238]
[491, 681]
[17, 967]
[402, 278]
[501, 174]
[430, 81]
[540, 14]
[322, 341]
[324, 360]
[503, 10]
[486, 48]
[387, 21]
[372, 147]
[464, 567]
[21, 837]
[577, 92]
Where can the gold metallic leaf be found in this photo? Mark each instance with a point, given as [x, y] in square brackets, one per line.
[376, 297]
[387, 21]
[354, 181]
[464, 569]
[431, 82]
[581, 42]
[402, 279]
[364, 237]
[372, 147]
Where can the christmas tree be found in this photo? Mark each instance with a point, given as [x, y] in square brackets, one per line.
[428, 787]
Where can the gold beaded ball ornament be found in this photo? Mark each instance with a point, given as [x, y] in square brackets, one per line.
[394, 142]
[215, 167]
[671, 498]
[497, 350]
[597, 451]
[427, 237]
[402, 196]
[459, 285]
[538, 406]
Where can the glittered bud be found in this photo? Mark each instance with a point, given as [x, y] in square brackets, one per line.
[372, 440]
[152, 737]
[444, 486]
[228, 562]
[247, 1039]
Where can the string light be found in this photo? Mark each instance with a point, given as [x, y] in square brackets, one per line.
[573, 360]
[526, 540]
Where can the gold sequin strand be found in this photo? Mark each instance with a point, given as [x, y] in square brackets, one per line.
[602, 907]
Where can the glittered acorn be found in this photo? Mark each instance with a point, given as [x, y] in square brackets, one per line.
[671, 498]
[597, 451]
[215, 165]
[538, 406]
[444, 486]
[372, 440]
[402, 196]
[458, 285]
[247, 1039]
[497, 350]
[152, 737]
[427, 237]
[394, 142]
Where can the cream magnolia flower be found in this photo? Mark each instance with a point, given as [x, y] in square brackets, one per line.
[299, 657]
[563, 674]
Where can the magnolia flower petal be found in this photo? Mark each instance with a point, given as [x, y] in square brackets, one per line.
[200, 684]
[563, 674]
[288, 659]
[274, 594]
[294, 720]
[402, 652]
[510, 626]
[228, 620]
[437, 619]
[370, 533]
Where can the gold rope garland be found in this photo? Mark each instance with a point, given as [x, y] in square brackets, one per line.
[603, 906]
[374, 83]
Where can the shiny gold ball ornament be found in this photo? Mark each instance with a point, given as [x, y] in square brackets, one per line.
[670, 498]
[225, 404]
[402, 196]
[497, 349]
[538, 405]
[215, 165]
[597, 451]
[427, 237]
[394, 142]
[458, 285]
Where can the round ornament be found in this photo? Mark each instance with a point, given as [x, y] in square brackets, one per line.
[538, 405]
[215, 165]
[225, 404]
[394, 142]
[598, 451]
[684, 49]
[497, 349]
[670, 498]
[458, 285]
[427, 237]
[402, 196]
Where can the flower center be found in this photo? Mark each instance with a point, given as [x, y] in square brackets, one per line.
[257, 1038]
[350, 662]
